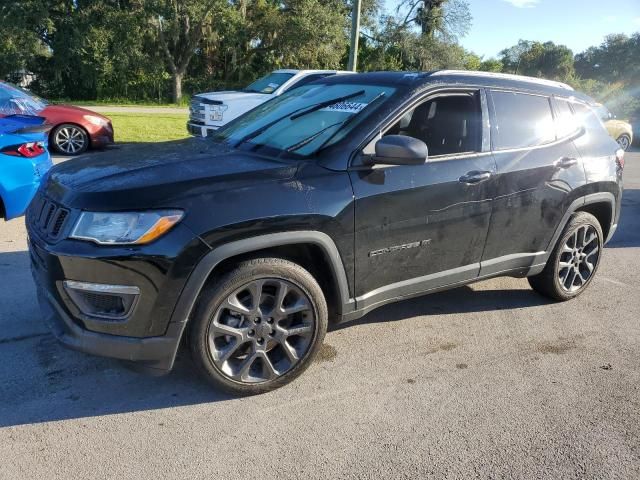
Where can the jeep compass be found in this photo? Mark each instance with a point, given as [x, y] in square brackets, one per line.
[329, 201]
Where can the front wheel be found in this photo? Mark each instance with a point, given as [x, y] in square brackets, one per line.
[624, 141]
[69, 139]
[574, 260]
[258, 327]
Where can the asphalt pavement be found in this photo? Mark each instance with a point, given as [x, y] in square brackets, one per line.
[485, 381]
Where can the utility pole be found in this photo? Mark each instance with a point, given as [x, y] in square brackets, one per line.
[355, 33]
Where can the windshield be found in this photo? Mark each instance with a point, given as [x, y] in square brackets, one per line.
[15, 100]
[303, 120]
[268, 84]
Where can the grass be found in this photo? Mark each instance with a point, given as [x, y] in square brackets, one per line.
[122, 102]
[148, 127]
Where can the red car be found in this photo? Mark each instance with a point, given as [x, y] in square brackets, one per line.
[74, 129]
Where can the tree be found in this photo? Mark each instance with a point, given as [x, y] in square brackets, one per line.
[446, 19]
[538, 59]
[180, 26]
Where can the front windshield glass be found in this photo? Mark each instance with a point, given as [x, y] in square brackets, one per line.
[303, 120]
[268, 84]
[16, 101]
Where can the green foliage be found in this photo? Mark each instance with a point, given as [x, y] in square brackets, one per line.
[152, 50]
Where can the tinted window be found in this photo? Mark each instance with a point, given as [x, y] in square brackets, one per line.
[448, 125]
[522, 120]
[566, 123]
[268, 84]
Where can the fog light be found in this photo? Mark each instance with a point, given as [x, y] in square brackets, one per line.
[108, 302]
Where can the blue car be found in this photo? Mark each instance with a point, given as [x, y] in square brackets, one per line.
[24, 159]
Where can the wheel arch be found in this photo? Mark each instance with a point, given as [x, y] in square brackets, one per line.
[601, 205]
[299, 246]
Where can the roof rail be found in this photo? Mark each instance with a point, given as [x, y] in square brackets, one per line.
[505, 76]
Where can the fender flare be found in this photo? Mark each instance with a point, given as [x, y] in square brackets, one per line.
[200, 275]
[600, 197]
[211, 260]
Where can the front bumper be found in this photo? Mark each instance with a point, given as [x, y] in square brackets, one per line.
[102, 136]
[200, 130]
[148, 332]
[156, 353]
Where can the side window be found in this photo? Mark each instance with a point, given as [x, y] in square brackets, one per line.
[587, 117]
[308, 79]
[448, 124]
[522, 120]
[566, 123]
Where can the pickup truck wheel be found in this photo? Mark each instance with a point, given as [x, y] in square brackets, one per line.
[259, 326]
[574, 260]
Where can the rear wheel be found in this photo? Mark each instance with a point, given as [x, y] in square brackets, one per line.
[574, 260]
[258, 327]
[624, 141]
[69, 139]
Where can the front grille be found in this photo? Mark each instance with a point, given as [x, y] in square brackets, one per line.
[47, 217]
[103, 305]
[196, 110]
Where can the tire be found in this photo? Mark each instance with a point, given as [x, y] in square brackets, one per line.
[574, 260]
[246, 347]
[624, 141]
[69, 139]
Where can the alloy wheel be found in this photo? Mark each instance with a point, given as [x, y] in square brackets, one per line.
[579, 258]
[261, 331]
[70, 140]
[624, 142]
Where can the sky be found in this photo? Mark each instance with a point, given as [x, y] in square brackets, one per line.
[578, 24]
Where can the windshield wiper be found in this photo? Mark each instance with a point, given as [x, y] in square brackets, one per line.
[293, 115]
[311, 138]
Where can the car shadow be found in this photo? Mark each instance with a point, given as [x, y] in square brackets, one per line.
[43, 381]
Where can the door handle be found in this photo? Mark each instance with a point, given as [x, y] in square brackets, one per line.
[566, 162]
[474, 177]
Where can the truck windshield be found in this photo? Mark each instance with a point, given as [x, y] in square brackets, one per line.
[298, 123]
[268, 84]
[16, 101]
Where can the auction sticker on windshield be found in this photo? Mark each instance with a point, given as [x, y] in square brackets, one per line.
[347, 107]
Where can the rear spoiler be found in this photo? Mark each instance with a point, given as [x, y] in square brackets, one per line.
[23, 124]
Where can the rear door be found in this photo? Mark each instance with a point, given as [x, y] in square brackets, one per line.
[424, 226]
[538, 169]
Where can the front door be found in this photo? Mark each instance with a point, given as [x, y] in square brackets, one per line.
[424, 226]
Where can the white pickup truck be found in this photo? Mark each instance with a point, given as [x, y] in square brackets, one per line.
[209, 111]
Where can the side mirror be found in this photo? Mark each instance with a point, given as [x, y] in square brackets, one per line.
[399, 150]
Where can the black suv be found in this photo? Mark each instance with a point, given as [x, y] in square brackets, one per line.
[326, 202]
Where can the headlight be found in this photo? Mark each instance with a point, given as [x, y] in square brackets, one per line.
[125, 228]
[97, 121]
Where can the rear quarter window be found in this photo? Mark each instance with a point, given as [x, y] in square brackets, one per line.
[522, 120]
[587, 117]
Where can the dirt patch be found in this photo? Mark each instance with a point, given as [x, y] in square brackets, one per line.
[327, 353]
[557, 347]
[461, 366]
[411, 380]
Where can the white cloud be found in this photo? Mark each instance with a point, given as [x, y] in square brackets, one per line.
[523, 3]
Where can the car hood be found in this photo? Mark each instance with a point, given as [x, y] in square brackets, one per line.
[158, 175]
[68, 111]
[231, 95]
